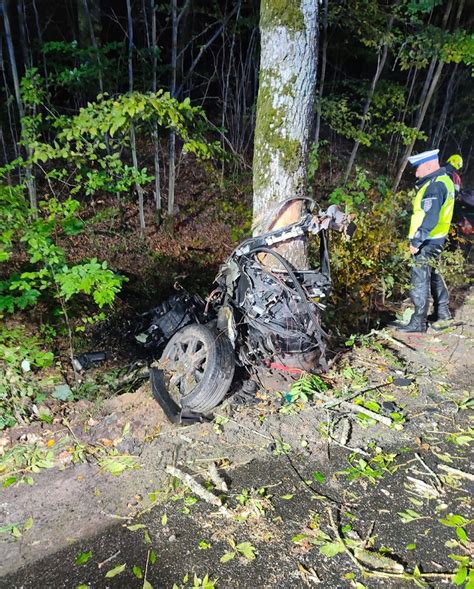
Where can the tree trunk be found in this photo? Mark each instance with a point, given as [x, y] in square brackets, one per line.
[155, 133]
[429, 87]
[133, 144]
[24, 42]
[30, 179]
[40, 39]
[95, 45]
[172, 136]
[446, 105]
[380, 65]
[130, 45]
[284, 114]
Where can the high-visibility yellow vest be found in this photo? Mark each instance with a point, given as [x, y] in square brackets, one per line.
[441, 228]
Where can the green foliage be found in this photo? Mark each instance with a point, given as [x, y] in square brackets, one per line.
[20, 392]
[76, 68]
[373, 268]
[381, 121]
[46, 272]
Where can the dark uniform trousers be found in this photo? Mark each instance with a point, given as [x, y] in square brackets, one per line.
[425, 278]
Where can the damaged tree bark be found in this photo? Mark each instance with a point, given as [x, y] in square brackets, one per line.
[284, 114]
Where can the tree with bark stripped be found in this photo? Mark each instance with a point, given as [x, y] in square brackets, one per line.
[285, 105]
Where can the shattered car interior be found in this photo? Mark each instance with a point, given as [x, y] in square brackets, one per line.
[262, 316]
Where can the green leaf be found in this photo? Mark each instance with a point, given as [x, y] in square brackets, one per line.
[460, 576]
[147, 585]
[453, 521]
[137, 571]
[203, 545]
[247, 550]
[15, 532]
[287, 497]
[298, 538]
[410, 546]
[409, 515]
[461, 534]
[152, 557]
[227, 556]
[62, 392]
[319, 477]
[9, 481]
[331, 549]
[83, 557]
[28, 524]
[136, 527]
[164, 519]
[115, 571]
[146, 537]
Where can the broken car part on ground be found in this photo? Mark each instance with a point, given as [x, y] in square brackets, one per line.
[263, 316]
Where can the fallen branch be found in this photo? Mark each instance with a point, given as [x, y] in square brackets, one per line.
[402, 575]
[197, 488]
[429, 470]
[216, 478]
[101, 564]
[354, 408]
[456, 472]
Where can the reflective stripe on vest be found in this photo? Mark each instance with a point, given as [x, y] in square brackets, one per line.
[441, 228]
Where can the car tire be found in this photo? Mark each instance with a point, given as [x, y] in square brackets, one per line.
[200, 363]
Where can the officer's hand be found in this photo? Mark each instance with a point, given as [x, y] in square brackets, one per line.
[413, 250]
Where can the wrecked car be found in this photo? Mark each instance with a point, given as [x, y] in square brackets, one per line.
[263, 315]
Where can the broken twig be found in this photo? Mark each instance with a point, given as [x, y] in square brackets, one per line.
[197, 488]
[456, 472]
[216, 478]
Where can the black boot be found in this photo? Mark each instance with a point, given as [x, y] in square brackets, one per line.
[440, 295]
[417, 324]
[419, 294]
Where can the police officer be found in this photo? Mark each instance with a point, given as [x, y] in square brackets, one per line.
[453, 165]
[432, 212]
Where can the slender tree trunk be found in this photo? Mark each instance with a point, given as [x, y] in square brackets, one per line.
[30, 180]
[40, 39]
[4, 153]
[324, 51]
[130, 45]
[155, 133]
[432, 78]
[227, 79]
[9, 101]
[284, 115]
[421, 117]
[446, 105]
[133, 143]
[380, 65]
[24, 42]
[172, 136]
[94, 44]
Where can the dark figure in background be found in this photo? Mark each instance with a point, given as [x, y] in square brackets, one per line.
[433, 207]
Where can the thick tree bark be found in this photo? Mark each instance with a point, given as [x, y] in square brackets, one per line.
[284, 113]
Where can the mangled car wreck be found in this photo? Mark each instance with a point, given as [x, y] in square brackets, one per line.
[263, 316]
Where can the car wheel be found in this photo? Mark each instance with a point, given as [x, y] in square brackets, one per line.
[200, 362]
